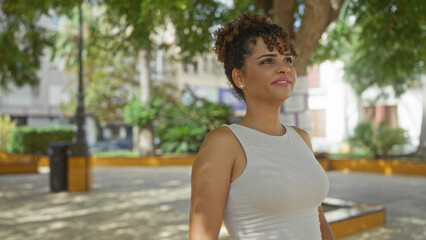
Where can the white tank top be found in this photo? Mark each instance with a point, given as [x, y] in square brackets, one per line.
[278, 194]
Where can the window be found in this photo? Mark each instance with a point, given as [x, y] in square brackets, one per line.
[20, 121]
[318, 123]
[379, 113]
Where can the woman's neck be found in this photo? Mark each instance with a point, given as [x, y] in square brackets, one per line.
[264, 118]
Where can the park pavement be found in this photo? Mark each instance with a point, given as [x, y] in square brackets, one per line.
[153, 203]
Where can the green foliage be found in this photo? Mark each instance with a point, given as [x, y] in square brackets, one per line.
[363, 137]
[116, 153]
[29, 139]
[23, 40]
[20, 51]
[351, 155]
[192, 20]
[131, 23]
[108, 77]
[136, 114]
[380, 141]
[6, 128]
[182, 128]
[380, 42]
[164, 96]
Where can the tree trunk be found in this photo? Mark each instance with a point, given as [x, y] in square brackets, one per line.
[285, 15]
[145, 143]
[318, 14]
[421, 150]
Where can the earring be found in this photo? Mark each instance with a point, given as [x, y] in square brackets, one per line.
[241, 85]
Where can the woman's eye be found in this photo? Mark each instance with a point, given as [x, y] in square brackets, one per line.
[267, 61]
[288, 59]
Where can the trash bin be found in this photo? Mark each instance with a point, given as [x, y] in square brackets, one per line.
[58, 155]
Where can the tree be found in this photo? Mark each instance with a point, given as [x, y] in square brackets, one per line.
[305, 21]
[382, 44]
[109, 78]
[135, 23]
[21, 43]
[143, 21]
[164, 97]
[138, 21]
[193, 22]
[23, 40]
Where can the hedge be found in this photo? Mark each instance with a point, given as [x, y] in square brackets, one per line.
[30, 139]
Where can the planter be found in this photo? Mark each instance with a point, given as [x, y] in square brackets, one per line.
[387, 167]
[17, 163]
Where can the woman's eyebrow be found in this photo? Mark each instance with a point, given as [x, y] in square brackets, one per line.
[267, 55]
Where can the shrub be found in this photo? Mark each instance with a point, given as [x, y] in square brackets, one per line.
[29, 139]
[380, 141]
[136, 114]
[182, 128]
[6, 128]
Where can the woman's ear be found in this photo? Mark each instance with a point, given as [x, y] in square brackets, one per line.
[237, 77]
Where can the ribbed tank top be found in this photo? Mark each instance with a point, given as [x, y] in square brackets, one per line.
[278, 194]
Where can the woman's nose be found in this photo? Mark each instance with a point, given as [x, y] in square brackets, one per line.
[283, 68]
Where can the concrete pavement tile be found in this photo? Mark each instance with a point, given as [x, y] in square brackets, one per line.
[153, 203]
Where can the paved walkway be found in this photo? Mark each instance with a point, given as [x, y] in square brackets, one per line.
[153, 203]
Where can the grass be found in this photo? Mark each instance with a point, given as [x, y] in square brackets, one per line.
[371, 156]
[351, 155]
[117, 153]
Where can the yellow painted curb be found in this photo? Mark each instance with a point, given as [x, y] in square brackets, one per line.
[18, 168]
[142, 161]
[325, 163]
[358, 224]
[43, 161]
[362, 165]
[129, 161]
[387, 167]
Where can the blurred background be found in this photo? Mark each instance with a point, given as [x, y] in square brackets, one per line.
[151, 85]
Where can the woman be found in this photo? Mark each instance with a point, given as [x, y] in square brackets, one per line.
[258, 175]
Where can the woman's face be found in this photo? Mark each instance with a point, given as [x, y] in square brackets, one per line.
[269, 75]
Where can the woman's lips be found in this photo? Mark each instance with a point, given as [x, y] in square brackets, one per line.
[282, 81]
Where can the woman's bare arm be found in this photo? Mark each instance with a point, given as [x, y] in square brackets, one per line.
[326, 233]
[211, 176]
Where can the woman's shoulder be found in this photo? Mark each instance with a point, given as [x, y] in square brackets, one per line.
[219, 145]
[221, 136]
[304, 135]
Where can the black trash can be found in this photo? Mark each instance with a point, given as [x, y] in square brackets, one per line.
[58, 155]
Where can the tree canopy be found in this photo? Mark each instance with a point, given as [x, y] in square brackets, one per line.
[380, 42]
[23, 40]
[109, 77]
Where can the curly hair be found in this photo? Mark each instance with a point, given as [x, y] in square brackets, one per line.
[235, 41]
